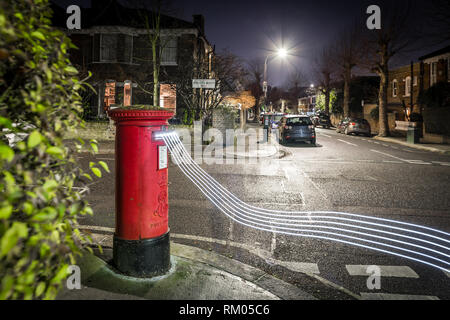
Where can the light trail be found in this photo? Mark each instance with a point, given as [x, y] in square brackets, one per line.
[273, 221]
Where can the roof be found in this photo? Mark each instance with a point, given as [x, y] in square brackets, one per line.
[112, 13]
[436, 53]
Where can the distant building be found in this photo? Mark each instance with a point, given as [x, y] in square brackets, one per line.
[407, 82]
[113, 44]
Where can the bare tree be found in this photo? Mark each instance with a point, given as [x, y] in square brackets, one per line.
[294, 84]
[151, 16]
[255, 70]
[325, 70]
[348, 54]
[229, 73]
[394, 37]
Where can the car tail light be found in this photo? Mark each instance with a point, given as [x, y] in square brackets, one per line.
[353, 124]
[310, 127]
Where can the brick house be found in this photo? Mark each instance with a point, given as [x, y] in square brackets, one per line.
[113, 44]
[407, 82]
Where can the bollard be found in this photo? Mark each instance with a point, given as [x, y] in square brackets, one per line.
[141, 246]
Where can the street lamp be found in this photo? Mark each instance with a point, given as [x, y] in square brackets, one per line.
[282, 53]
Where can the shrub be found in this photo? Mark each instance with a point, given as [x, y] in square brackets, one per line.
[438, 96]
[40, 179]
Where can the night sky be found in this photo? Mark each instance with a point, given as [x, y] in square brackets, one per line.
[252, 28]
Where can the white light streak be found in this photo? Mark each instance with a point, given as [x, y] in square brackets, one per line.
[311, 224]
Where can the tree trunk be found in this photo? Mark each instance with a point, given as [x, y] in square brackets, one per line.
[382, 100]
[347, 79]
[327, 102]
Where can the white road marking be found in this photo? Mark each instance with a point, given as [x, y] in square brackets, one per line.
[349, 143]
[386, 271]
[325, 135]
[418, 162]
[96, 228]
[388, 155]
[390, 296]
[442, 163]
[393, 161]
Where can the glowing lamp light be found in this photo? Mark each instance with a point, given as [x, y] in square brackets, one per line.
[282, 53]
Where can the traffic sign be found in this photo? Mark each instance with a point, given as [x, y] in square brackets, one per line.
[203, 83]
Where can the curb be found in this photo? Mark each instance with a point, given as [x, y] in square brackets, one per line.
[416, 146]
[257, 277]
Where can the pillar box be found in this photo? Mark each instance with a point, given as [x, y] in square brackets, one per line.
[141, 246]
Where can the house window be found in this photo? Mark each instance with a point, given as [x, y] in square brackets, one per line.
[116, 48]
[433, 73]
[407, 86]
[394, 88]
[108, 47]
[169, 52]
[415, 81]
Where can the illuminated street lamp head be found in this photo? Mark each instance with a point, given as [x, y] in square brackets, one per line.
[282, 53]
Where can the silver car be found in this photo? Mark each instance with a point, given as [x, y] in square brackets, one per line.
[358, 126]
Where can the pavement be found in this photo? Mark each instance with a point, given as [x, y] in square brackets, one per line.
[195, 274]
[432, 147]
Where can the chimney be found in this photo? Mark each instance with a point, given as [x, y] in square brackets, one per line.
[199, 22]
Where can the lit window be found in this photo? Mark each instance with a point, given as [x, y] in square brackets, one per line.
[169, 52]
[433, 71]
[408, 86]
[394, 88]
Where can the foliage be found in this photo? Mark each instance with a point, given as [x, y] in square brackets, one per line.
[320, 100]
[438, 96]
[40, 181]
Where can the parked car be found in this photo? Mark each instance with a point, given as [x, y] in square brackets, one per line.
[324, 121]
[297, 128]
[354, 126]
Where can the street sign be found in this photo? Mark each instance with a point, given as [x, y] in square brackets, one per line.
[203, 83]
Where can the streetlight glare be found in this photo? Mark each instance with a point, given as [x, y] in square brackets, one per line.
[282, 53]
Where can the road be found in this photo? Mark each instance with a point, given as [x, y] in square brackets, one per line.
[343, 173]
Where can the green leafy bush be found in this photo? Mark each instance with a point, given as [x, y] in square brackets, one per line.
[40, 179]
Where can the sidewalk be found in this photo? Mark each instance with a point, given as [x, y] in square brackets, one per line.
[440, 148]
[196, 274]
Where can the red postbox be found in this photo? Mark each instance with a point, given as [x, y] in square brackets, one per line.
[141, 244]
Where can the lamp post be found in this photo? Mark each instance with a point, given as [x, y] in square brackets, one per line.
[282, 53]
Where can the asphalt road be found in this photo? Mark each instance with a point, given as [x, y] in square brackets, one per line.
[343, 173]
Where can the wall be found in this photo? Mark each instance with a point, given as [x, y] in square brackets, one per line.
[223, 120]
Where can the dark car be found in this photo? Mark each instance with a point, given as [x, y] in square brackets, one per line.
[324, 121]
[354, 126]
[297, 128]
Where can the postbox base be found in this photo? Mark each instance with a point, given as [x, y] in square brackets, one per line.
[142, 258]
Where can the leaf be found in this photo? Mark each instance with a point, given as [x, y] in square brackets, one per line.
[6, 153]
[34, 139]
[5, 211]
[50, 185]
[60, 274]
[104, 166]
[5, 122]
[38, 35]
[70, 69]
[96, 171]
[87, 176]
[54, 151]
[12, 236]
[94, 147]
[40, 289]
